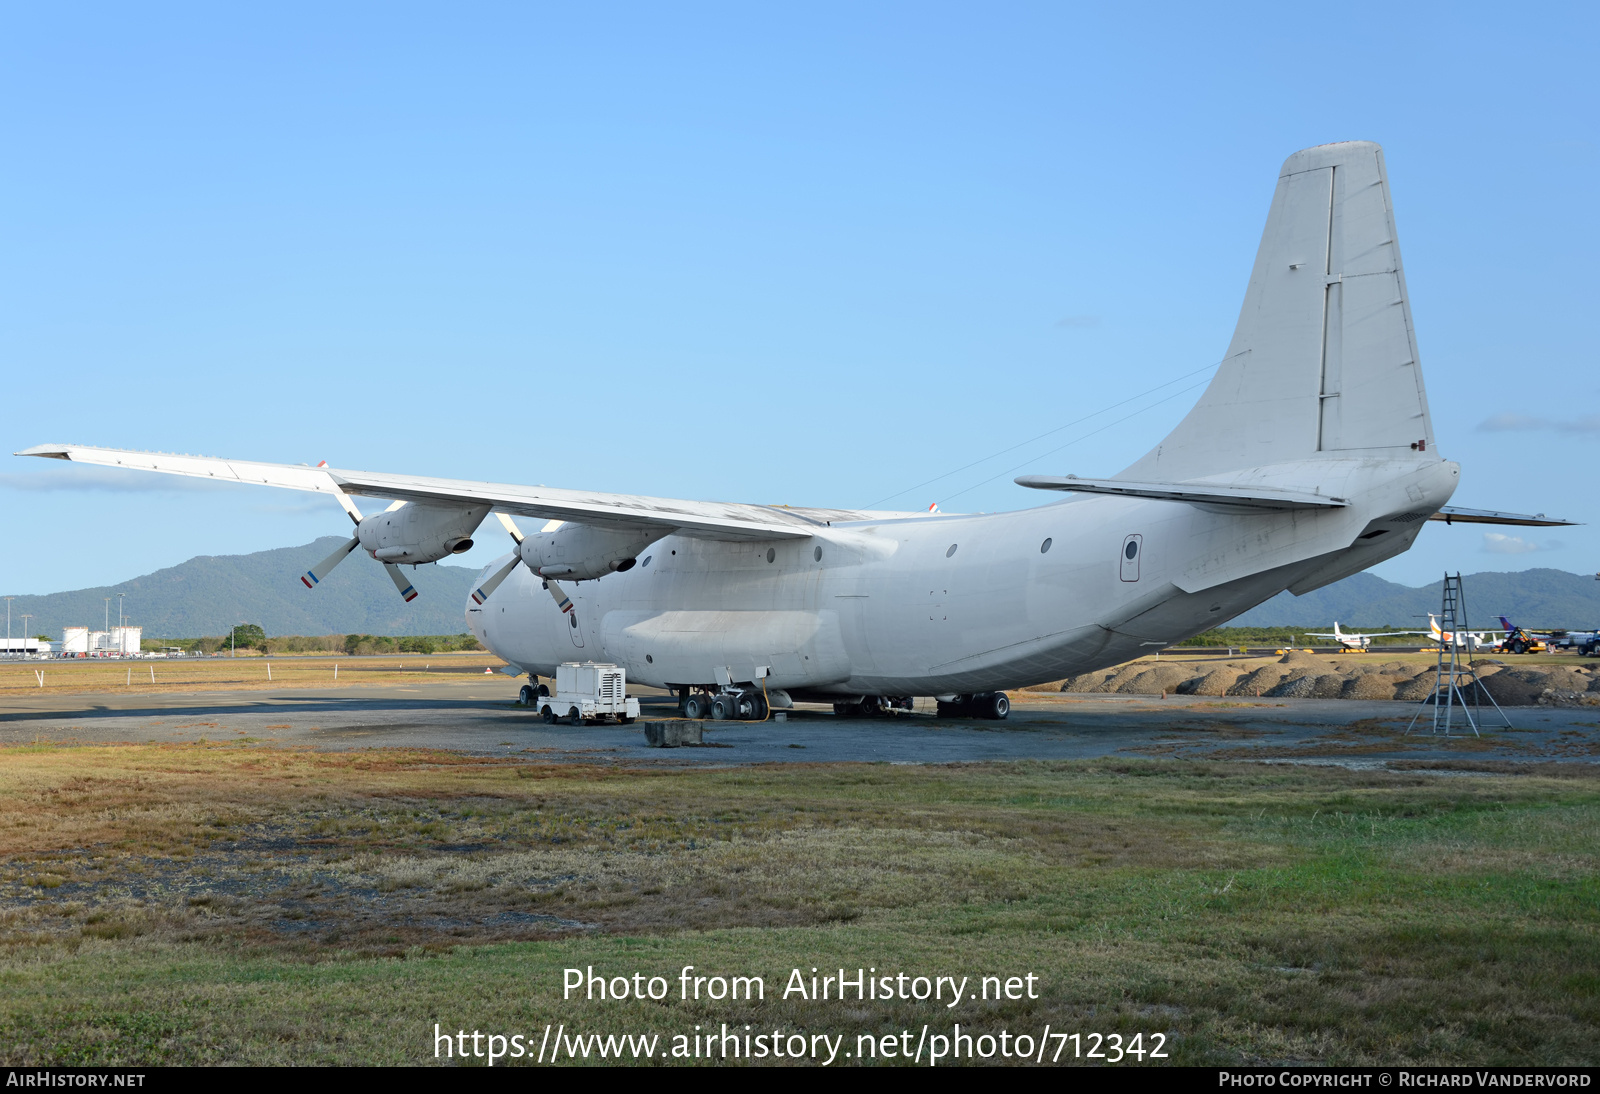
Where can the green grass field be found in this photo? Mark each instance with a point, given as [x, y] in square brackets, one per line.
[235, 903]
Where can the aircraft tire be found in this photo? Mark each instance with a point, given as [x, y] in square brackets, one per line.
[722, 709]
[995, 706]
[695, 707]
[526, 696]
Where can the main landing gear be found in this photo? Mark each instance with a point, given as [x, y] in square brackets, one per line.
[993, 705]
[530, 695]
[731, 705]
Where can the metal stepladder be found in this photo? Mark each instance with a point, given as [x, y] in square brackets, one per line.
[1451, 673]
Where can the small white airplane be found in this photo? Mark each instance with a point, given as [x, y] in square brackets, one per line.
[1309, 457]
[1478, 641]
[1352, 640]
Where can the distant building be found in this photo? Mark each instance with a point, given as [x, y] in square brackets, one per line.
[117, 642]
[14, 646]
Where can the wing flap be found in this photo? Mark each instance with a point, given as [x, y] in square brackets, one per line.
[1235, 497]
[1450, 514]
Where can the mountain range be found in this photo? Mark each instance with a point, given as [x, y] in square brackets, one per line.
[209, 594]
[1532, 598]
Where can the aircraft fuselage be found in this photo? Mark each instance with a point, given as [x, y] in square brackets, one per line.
[953, 604]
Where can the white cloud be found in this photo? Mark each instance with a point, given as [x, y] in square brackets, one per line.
[1495, 543]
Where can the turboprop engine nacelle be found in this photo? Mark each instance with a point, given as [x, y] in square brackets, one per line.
[413, 533]
[583, 551]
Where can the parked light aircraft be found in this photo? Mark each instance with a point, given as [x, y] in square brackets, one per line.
[1467, 640]
[1352, 640]
[1309, 457]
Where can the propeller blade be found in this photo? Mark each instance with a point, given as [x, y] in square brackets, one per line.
[560, 597]
[510, 526]
[400, 582]
[312, 577]
[481, 593]
[348, 506]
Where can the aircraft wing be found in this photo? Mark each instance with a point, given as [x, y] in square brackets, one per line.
[1450, 514]
[1237, 497]
[702, 519]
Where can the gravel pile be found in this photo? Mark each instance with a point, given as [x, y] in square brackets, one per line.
[1298, 675]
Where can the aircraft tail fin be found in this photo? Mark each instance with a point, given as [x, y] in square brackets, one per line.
[1324, 359]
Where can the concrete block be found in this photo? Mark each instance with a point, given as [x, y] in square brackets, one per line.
[673, 734]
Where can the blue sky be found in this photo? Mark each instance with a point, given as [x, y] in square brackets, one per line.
[819, 254]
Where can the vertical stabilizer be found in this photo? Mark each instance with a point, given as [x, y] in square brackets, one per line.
[1324, 359]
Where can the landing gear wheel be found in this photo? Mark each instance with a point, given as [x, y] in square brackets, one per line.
[544, 691]
[952, 709]
[574, 717]
[746, 708]
[526, 696]
[695, 707]
[723, 709]
[549, 715]
[995, 706]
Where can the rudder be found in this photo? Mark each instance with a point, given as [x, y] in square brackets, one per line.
[1323, 360]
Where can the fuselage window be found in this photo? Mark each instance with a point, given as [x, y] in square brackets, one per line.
[646, 561]
[817, 554]
[1045, 546]
[951, 551]
[772, 553]
[1131, 550]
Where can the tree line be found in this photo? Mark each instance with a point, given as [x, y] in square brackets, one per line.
[250, 637]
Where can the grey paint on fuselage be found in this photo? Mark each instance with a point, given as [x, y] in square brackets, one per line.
[888, 609]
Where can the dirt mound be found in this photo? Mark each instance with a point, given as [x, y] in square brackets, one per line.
[1295, 687]
[1215, 682]
[1259, 682]
[1568, 679]
[1087, 681]
[1154, 680]
[1416, 689]
[1370, 685]
[1515, 687]
[1328, 686]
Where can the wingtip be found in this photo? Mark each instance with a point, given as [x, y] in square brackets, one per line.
[48, 451]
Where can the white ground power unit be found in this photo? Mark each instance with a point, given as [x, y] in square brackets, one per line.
[589, 693]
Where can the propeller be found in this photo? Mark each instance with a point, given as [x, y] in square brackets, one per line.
[483, 592]
[313, 577]
[400, 582]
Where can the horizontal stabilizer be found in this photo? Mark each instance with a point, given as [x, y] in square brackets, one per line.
[1235, 497]
[1450, 514]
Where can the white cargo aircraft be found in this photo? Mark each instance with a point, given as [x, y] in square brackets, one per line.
[1310, 457]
